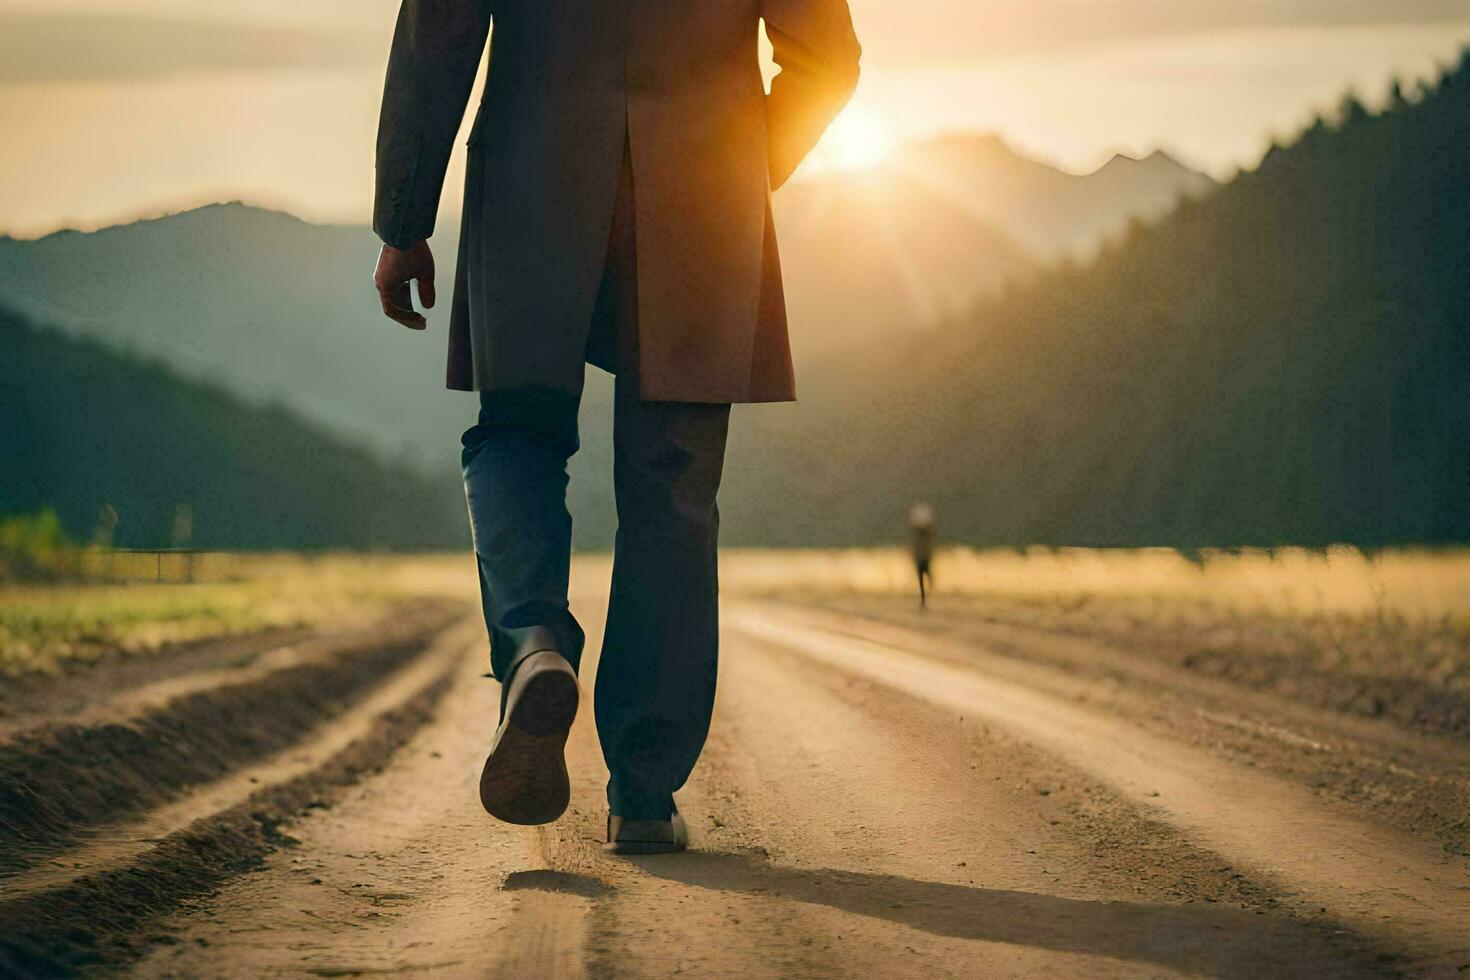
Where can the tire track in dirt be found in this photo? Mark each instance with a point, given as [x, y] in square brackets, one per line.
[1396, 890]
[62, 779]
[1392, 774]
[94, 904]
[30, 700]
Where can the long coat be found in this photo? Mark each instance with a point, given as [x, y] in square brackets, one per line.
[573, 86]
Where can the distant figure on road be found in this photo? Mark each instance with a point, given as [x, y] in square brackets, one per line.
[921, 541]
[617, 211]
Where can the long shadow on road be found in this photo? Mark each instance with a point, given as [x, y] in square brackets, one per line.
[1214, 940]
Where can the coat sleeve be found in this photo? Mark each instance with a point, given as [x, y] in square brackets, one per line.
[818, 53]
[431, 68]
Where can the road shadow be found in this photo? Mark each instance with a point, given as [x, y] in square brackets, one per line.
[1208, 939]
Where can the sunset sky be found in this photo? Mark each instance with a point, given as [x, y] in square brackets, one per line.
[114, 109]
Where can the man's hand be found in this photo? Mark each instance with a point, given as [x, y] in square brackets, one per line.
[394, 270]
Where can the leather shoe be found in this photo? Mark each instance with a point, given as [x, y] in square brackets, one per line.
[525, 777]
[647, 836]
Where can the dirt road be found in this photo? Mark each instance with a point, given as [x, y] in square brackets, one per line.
[875, 800]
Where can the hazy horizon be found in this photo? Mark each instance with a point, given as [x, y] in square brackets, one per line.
[280, 109]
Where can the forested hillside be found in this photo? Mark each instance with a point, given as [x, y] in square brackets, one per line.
[82, 426]
[1285, 361]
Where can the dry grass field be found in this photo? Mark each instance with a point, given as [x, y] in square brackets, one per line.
[1411, 584]
[1383, 636]
[48, 628]
[1412, 606]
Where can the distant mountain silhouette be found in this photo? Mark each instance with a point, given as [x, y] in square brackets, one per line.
[944, 222]
[277, 310]
[1285, 361]
[1047, 211]
[86, 426]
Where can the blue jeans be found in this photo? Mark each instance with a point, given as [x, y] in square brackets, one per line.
[656, 674]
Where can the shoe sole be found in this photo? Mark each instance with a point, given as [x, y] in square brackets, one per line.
[525, 776]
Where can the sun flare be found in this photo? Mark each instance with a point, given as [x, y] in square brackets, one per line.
[857, 140]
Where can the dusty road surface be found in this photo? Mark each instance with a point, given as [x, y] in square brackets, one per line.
[881, 796]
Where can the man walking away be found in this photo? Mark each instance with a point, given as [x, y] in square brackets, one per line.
[617, 210]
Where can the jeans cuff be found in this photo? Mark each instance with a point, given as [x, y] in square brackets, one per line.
[526, 640]
[565, 638]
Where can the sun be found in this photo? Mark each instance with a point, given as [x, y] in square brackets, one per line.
[857, 140]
